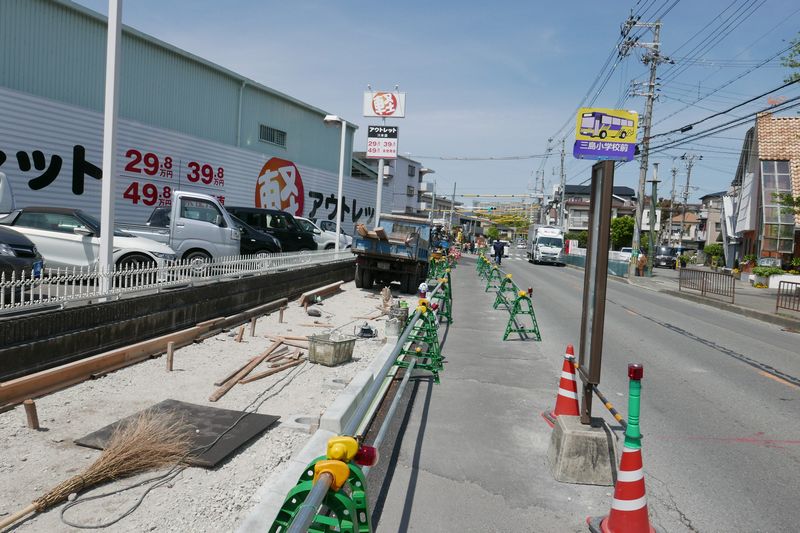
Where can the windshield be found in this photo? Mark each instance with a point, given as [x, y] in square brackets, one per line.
[305, 225]
[550, 241]
[94, 224]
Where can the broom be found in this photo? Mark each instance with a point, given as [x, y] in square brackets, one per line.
[152, 440]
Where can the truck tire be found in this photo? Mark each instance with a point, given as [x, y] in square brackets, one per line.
[407, 284]
[359, 278]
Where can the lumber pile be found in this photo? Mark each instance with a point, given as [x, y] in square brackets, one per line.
[277, 358]
[308, 298]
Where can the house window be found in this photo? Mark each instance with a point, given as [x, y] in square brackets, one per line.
[411, 171]
[409, 190]
[778, 234]
[271, 135]
[579, 219]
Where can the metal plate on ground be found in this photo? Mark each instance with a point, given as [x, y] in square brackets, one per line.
[207, 423]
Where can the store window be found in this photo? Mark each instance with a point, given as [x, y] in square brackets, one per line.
[778, 234]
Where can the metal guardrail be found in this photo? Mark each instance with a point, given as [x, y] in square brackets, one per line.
[68, 286]
[788, 296]
[707, 283]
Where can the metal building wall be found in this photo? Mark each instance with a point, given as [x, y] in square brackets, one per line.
[56, 49]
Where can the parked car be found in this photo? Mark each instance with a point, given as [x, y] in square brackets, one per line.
[625, 253]
[279, 224]
[19, 257]
[330, 225]
[326, 240]
[254, 241]
[196, 226]
[71, 238]
[666, 256]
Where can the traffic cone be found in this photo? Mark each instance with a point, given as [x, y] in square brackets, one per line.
[629, 506]
[567, 398]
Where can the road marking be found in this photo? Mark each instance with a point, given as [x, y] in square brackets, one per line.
[776, 378]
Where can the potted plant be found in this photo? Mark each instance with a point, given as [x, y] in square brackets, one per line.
[749, 263]
[762, 274]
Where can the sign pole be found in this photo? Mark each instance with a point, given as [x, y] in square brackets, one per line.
[380, 192]
[594, 284]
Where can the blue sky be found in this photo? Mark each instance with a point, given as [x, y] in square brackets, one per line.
[495, 79]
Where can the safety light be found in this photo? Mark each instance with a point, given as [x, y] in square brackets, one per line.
[635, 371]
[367, 456]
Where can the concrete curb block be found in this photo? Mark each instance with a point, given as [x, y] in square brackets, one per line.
[271, 494]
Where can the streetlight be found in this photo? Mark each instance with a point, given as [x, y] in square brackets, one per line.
[329, 121]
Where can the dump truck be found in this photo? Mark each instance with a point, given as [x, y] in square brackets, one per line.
[396, 251]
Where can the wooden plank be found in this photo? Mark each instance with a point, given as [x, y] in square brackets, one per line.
[287, 337]
[308, 325]
[228, 385]
[381, 233]
[271, 371]
[361, 229]
[308, 297]
[372, 235]
[235, 371]
[35, 385]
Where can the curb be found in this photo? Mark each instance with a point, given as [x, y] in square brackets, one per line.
[271, 494]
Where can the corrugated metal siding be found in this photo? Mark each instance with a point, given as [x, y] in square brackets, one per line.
[32, 123]
[57, 51]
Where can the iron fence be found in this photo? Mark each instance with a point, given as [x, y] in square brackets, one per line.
[75, 286]
[708, 283]
[788, 296]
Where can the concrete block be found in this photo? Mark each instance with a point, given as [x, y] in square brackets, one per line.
[337, 415]
[582, 454]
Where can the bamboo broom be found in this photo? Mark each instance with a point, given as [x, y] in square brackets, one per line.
[152, 440]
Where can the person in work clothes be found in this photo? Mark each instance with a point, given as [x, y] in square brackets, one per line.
[498, 247]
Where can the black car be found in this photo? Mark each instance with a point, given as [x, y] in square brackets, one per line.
[18, 256]
[666, 256]
[254, 241]
[279, 224]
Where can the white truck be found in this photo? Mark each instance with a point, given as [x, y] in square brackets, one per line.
[196, 226]
[545, 245]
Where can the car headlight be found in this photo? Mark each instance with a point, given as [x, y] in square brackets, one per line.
[7, 250]
[165, 257]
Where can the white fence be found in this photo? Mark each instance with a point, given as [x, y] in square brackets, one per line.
[76, 286]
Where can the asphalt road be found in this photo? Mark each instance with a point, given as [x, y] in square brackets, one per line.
[720, 400]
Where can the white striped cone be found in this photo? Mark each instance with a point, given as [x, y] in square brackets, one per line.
[629, 506]
[567, 399]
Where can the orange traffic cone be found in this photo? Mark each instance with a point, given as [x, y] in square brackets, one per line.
[629, 506]
[567, 399]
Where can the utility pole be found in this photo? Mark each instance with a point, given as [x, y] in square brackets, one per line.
[672, 203]
[452, 206]
[652, 58]
[653, 200]
[561, 221]
[689, 159]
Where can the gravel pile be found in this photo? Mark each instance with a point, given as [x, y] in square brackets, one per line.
[197, 499]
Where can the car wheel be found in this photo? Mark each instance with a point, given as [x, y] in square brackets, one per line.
[198, 262]
[603, 134]
[133, 261]
[330, 246]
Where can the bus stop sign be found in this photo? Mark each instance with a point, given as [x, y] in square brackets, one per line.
[605, 134]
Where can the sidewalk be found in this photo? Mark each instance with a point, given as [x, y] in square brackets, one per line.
[473, 452]
[748, 301]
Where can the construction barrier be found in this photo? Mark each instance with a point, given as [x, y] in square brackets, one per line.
[336, 481]
[516, 301]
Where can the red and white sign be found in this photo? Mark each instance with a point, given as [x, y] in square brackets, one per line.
[384, 104]
[381, 142]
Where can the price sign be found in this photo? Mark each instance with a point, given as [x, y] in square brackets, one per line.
[381, 142]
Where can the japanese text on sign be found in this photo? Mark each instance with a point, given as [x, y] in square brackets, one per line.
[381, 142]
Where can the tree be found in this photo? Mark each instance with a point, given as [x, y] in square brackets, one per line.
[493, 233]
[791, 204]
[792, 60]
[622, 231]
[581, 236]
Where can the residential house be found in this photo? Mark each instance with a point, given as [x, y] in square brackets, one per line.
[709, 228]
[577, 205]
[769, 166]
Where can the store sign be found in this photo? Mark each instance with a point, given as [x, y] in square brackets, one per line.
[57, 160]
[384, 104]
[605, 134]
[381, 142]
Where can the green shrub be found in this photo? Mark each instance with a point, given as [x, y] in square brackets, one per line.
[767, 271]
[713, 250]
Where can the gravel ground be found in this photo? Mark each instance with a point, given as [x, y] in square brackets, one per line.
[197, 499]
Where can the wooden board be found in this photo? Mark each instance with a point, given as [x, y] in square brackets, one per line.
[381, 233]
[228, 385]
[308, 297]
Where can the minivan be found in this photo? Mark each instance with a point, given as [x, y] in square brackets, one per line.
[279, 224]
